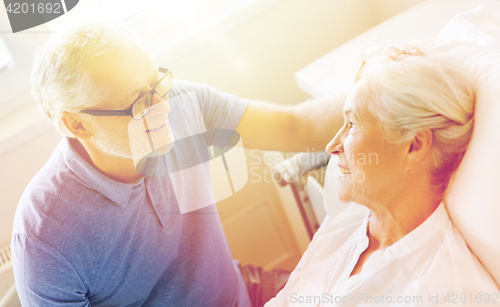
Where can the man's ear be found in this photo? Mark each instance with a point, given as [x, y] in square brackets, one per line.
[76, 125]
[419, 148]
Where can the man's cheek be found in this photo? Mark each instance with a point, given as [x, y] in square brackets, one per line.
[142, 143]
[136, 137]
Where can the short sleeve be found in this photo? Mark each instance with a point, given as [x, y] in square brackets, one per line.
[43, 276]
[221, 111]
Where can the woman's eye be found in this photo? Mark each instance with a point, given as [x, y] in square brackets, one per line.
[349, 125]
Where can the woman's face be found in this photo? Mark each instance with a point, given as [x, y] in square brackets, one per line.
[371, 167]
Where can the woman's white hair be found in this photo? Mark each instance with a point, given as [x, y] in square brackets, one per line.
[59, 81]
[412, 93]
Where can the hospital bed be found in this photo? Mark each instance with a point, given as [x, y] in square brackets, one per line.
[474, 199]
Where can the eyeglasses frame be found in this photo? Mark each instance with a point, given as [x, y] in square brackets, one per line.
[128, 111]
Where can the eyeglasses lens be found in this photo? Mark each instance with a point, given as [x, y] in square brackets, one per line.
[164, 85]
[142, 107]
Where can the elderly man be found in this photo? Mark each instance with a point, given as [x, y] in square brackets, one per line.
[101, 224]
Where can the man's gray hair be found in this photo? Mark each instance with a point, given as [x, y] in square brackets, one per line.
[418, 92]
[59, 80]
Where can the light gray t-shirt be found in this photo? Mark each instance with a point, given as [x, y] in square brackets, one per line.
[83, 239]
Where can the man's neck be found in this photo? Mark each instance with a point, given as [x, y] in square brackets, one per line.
[117, 168]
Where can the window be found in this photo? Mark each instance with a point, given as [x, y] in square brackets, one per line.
[5, 57]
[163, 25]
[166, 24]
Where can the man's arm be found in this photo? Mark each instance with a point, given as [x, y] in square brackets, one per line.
[43, 276]
[308, 126]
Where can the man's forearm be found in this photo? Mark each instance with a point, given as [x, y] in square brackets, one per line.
[318, 121]
[308, 126]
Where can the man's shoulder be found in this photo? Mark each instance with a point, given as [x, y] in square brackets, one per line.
[187, 90]
[48, 188]
[181, 87]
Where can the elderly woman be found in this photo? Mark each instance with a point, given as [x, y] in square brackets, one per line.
[412, 114]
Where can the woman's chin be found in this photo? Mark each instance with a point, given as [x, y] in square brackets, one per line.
[344, 197]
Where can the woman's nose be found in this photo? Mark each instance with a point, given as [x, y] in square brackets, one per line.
[335, 147]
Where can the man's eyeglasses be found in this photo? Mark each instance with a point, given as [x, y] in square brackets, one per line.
[141, 106]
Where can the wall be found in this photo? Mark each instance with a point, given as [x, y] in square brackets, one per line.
[255, 60]
[258, 59]
[385, 9]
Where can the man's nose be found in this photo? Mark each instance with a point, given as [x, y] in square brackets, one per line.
[334, 147]
[160, 105]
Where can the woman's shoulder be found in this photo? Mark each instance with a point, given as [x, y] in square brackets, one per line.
[465, 267]
[451, 269]
[352, 215]
[342, 226]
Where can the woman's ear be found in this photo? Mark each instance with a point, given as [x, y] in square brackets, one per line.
[419, 148]
[76, 125]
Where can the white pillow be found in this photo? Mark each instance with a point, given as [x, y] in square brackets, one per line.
[474, 198]
[474, 26]
[473, 201]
